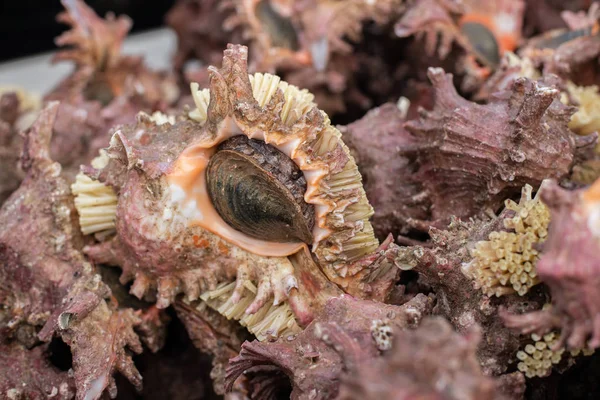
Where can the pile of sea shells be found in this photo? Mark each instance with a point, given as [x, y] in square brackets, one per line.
[322, 199]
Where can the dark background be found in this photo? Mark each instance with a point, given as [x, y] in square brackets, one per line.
[28, 27]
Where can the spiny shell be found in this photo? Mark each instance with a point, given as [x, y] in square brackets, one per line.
[170, 237]
[474, 156]
[336, 341]
[342, 232]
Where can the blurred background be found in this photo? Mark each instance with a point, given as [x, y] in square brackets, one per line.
[28, 27]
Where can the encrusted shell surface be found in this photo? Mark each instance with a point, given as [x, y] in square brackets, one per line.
[315, 359]
[46, 281]
[342, 232]
[474, 156]
[169, 237]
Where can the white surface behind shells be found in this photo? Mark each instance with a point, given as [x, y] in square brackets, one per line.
[38, 75]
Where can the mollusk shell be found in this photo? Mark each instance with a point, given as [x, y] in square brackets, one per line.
[170, 239]
[294, 126]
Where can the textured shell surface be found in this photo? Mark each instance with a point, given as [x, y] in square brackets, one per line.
[170, 239]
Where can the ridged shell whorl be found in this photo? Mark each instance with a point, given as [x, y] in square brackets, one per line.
[262, 107]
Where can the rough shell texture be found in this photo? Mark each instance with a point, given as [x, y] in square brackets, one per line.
[430, 18]
[511, 67]
[393, 195]
[437, 25]
[17, 109]
[34, 280]
[429, 362]
[200, 31]
[344, 335]
[105, 88]
[98, 335]
[27, 374]
[311, 43]
[51, 283]
[306, 41]
[569, 53]
[574, 285]
[440, 267]
[158, 246]
[475, 156]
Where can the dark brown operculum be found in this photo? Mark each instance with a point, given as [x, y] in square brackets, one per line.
[280, 29]
[484, 43]
[259, 191]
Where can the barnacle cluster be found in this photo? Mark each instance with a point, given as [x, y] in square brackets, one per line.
[585, 120]
[325, 206]
[572, 284]
[505, 263]
[538, 358]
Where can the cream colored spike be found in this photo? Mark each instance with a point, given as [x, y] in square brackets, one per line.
[269, 321]
[95, 202]
[201, 100]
